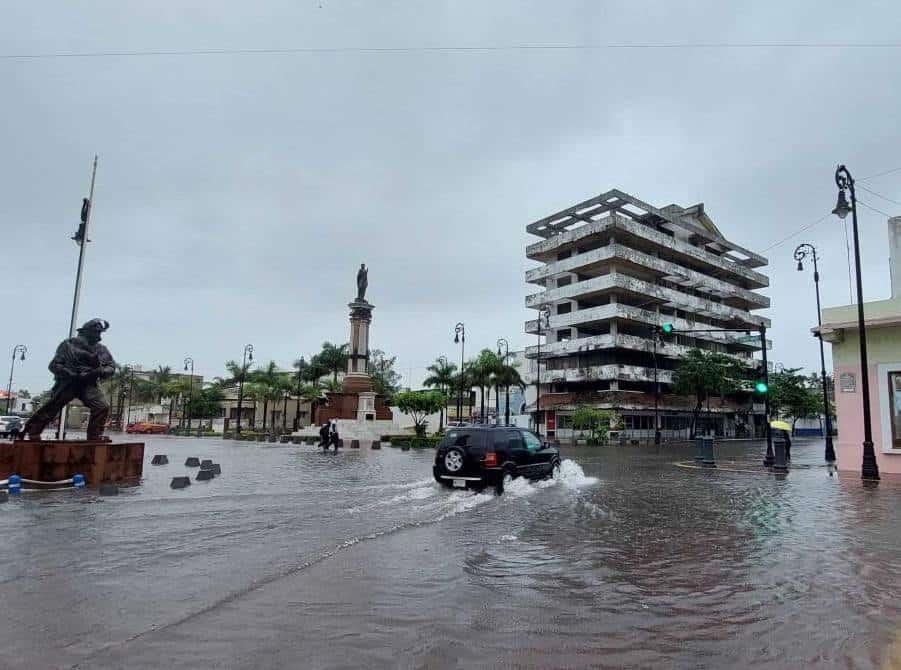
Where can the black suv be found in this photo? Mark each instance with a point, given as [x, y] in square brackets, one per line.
[480, 456]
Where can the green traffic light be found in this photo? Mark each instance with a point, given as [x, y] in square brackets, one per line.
[761, 387]
[667, 327]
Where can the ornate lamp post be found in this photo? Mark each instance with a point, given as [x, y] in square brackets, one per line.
[248, 357]
[506, 354]
[19, 349]
[843, 179]
[190, 362]
[801, 252]
[543, 312]
[460, 338]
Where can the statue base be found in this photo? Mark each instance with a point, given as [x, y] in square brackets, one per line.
[99, 461]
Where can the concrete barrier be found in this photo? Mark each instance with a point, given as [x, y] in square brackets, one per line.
[206, 461]
[192, 462]
[376, 445]
[180, 482]
[354, 444]
[160, 459]
[204, 475]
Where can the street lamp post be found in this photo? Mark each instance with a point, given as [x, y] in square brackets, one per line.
[460, 338]
[444, 363]
[189, 362]
[545, 312]
[656, 390]
[769, 458]
[248, 356]
[506, 345]
[801, 252]
[19, 349]
[843, 179]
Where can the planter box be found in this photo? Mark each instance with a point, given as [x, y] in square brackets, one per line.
[54, 460]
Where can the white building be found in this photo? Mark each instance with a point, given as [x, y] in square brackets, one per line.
[611, 270]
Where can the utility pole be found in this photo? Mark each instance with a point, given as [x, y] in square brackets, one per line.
[80, 237]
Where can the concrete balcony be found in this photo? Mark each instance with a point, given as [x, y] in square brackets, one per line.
[543, 250]
[624, 283]
[609, 372]
[670, 271]
[629, 313]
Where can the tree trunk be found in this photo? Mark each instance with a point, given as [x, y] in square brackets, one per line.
[170, 412]
[265, 411]
[285, 414]
[443, 405]
[497, 404]
[482, 403]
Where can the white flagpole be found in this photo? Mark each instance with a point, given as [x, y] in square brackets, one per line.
[83, 234]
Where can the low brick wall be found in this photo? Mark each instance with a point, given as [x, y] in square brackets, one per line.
[54, 460]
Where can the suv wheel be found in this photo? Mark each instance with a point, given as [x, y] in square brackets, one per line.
[504, 481]
[453, 460]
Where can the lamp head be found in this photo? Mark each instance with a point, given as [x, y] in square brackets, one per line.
[456, 338]
[800, 266]
[841, 206]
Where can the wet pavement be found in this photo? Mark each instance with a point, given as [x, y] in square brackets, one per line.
[298, 559]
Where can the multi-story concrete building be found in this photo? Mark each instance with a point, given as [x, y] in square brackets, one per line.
[612, 269]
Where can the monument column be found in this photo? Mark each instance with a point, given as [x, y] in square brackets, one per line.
[357, 378]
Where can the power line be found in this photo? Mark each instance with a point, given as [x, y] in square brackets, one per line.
[880, 174]
[879, 195]
[796, 233]
[452, 49]
[879, 211]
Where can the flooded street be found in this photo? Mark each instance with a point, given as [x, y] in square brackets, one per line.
[298, 559]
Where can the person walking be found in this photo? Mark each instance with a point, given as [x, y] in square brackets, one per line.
[324, 434]
[333, 435]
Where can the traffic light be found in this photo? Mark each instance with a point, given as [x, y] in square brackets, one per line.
[761, 387]
[667, 328]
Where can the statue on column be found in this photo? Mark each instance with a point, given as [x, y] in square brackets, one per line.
[78, 366]
[362, 282]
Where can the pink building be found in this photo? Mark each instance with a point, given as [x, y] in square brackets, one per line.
[883, 321]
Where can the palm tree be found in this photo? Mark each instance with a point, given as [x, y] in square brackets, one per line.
[268, 382]
[309, 393]
[158, 380]
[332, 386]
[175, 389]
[481, 371]
[507, 376]
[442, 376]
[332, 358]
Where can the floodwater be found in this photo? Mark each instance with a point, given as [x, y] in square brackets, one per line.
[298, 559]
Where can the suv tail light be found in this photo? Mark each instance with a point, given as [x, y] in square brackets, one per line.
[491, 459]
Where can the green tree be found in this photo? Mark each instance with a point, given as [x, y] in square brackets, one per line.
[418, 405]
[481, 374]
[595, 420]
[704, 374]
[385, 379]
[505, 377]
[174, 390]
[441, 376]
[158, 380]
[332, 386]
[793, 396]
[268, 385]
[206, 402]
[331, 359]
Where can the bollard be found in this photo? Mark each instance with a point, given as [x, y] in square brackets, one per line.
[376, 445]
[78, 481]
[180, 482]
[109, 489]
[216, 468]
[160, 459]
[206, 462]
[192, 462]
[779, 464]
[15, 485]
[354, 444]
[204, 475]
[707, 459]
[699, 450]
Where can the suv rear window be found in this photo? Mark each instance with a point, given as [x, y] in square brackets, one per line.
[464, 438]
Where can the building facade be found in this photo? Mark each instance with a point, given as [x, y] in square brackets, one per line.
[613, 269]
[883, 324]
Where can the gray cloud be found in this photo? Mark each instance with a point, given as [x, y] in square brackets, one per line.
[237, 194]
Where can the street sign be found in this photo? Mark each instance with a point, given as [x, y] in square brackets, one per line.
[753, 341]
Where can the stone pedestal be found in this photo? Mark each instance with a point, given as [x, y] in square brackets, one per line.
[55, 460]
[357, 379]
[366, 406]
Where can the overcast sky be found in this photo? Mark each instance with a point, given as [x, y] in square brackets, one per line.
[237, 194]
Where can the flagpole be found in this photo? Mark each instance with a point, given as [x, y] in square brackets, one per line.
[81, 236]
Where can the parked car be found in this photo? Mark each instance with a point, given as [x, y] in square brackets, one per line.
[481, 456]
[146, 427]
[10, 426]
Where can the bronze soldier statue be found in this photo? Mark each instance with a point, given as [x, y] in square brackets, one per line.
[79, 364]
